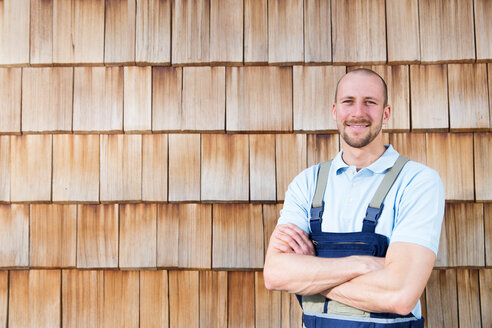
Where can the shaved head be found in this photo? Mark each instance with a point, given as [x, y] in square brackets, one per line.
[366, 71]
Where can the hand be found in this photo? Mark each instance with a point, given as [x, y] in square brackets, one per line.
[288, 238]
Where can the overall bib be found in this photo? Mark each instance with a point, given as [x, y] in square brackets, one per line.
[319, 311]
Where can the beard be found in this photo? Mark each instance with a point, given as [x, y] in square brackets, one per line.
[359, 141]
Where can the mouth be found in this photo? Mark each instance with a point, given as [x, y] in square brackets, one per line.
[358, 124]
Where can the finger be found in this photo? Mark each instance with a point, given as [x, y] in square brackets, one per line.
[282, 247]
[298, 239]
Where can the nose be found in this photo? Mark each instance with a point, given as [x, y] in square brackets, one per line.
[358, 109]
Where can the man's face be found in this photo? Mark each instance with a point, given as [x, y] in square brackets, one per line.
[359, 110]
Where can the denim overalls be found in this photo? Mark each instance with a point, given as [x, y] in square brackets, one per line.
[319, 311]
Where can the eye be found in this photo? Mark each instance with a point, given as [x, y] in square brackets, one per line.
[346, 101]
[371, 102]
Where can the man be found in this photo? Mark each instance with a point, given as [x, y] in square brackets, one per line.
[359, 289]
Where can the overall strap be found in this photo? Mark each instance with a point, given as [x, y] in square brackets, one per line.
[318, 204]
[375, 207]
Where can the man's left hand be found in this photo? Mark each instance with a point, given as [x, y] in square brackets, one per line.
[288, 238]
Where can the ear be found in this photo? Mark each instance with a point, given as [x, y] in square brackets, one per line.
[334, 112]
[386, 114]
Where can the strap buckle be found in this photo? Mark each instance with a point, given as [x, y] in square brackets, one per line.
[373, 214]
[317, 212]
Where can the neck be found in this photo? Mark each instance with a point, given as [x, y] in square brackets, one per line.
[365, 156]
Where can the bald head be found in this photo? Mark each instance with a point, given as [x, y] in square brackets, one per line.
[369, 72]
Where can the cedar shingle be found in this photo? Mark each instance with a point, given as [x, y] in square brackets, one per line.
[41, 32]
[213, 299]
[5, 168]
[483, 30]
[259, 98]
[97, 236]
[10, 99]
[441, 295]
[121, 297]
[411, 145]
[30, 168]
[224, 167]
[485, 296]
[267, 304]
[154, 167]
[237, 236]
[166, 98]
[119, 36]
[137, 99]
[184, 236]
[291, 311]
[241, 299]
[483, 165]
[488, 233]
[317, 31]
[154, 303]
[271, 213]
[184, 295]
[53, 235]
[314, 93]
[291, 159]
[4, 290]
[153, 32]
[14, 32]
[262, 167]
[403, 20]
[468, 298]
[76, 168]
[78, 32]
[138, 236]
[285, 31]
[321, 147]
[184, 167]
[98, 99]
[226, 31]
[14, 235]
[255, 31]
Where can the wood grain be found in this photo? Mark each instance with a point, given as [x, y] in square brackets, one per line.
[82, 298]
[119, 32]
[138, 236]
[468, 99]
[226, 31]
[10, 99]
[482, 147]
[184, 167]
[121, 299]
[154, 167]
[98, 99]
[137, 90]
[153, 32]
[321, 148]
[469, 298]
[485, 283]
[403, 17]
[184, 308]
[267, 304]
[314, 93]
[488, 233]
[154, 302]
[121, 168]
[184, 236]
[271, 213]
[456, 172]
[483, 29]
[237, 236]
[52, 235]
[224, 167]
[291, 159]
[97, 236]
[5, 168]
[75, 168]
[255, 31]
[14, 32]
[429, 94]
[167, 83]
[285, 31]
[317, 31]
[41, 32]
[411, 145]
[30, 168]
[291, 311]
[213, 299]
[4, 296]
[241, 287]
[259, 98]
[262, 167]
[14, 235]
[441, 292]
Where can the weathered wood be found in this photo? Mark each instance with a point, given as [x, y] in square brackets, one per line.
[468, 99]
[153, 32]
[203, 106]
[237, 236]
[41, 32]
[241, 299]
[30, 168]
[184, 167]
[226, 31]
[190, 31]
[137, 102]
[5, 168]
[14, 32]
[314, 94]
[271, 213]
[321, 148]
[34, 298]
[255, 31]
[184, 294]
[291, 311]
[485, 296]
[97, 236]
[121, 297]
[53, 235]
[446, 31]
[442, 258]
[482, 146]
[317, 31]
[267, 304]
[98, 99]
[441, 295]
[14, 235]
[291, 159]
[138, 236]
[403, 17]
[429, 94]
[10, 99]
[259, 98]
[483, 29]
[82, 298]
[154, 302]
[4, 296]
[456, 171]
[166, 98]
[468, 298]
[411, 145]
[262, 167]
[285, 31]
[119, 32]
[184, 236]
[355, 22]
[75, 168]
[488, 233]
[224, 166]
[213, 299]
[154, 167]
[121, 168]
[78, 32]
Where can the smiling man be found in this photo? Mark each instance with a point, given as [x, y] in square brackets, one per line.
[358, 236]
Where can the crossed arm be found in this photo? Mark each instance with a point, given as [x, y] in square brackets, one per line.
[391, 284]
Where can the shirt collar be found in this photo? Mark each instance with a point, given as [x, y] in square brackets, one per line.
[383, 163]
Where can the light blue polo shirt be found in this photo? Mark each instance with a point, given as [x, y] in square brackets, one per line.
[413, 208]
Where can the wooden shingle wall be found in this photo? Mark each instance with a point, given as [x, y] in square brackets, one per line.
[146, 146]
